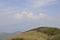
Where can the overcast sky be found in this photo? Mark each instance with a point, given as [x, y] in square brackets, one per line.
[21, 15]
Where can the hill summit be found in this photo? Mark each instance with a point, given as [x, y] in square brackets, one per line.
[41, 33]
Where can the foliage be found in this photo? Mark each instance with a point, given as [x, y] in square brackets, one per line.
[56, 37]
[50, 31]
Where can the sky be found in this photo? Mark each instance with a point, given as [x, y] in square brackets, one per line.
[22, 15]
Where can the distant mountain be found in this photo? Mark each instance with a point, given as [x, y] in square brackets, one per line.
[5, 35]
[41, 33]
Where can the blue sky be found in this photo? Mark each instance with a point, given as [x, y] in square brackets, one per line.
[22, 15]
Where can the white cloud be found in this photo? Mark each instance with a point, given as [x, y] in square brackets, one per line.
[42, 15]
[39, 3]
[29, 15]
[18, 16]
[33, 17]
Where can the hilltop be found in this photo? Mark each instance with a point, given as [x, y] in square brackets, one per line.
[41, 33]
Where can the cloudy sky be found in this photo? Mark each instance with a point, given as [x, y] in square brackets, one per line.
[21, 15]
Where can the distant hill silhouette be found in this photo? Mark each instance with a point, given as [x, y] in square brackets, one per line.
[5, 35]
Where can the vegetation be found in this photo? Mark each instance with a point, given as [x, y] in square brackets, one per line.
[50, 31]
[42, 33]
[55, 37]
[18, 39]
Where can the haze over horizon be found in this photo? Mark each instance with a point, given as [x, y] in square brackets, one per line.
[21, 15]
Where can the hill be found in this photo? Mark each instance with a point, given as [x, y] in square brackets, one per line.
[4, 35]
[41, 33]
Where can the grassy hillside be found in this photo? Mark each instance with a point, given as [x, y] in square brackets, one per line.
[42, 33]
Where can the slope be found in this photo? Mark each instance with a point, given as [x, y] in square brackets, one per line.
[41, 33]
